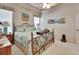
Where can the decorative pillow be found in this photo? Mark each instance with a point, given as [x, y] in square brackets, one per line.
[29, 29]
[19, 29]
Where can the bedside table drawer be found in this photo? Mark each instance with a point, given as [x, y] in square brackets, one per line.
[6, 50]
[0, 51]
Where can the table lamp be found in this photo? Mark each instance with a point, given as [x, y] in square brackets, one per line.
[5, 27]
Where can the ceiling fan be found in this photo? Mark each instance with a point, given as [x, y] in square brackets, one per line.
[48, 5]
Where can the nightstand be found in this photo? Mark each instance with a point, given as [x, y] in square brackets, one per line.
[10, 38]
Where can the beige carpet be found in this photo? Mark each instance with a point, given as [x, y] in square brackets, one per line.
[16, 50]
[61, 48]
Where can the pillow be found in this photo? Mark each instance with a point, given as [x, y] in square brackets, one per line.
[28, 29]
[33, 28]
[20, 29]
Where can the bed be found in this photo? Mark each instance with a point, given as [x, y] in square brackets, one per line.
[29, 42]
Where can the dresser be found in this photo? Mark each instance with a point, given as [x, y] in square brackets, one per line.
[5, 49]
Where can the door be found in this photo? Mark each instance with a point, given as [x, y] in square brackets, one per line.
[77, 28]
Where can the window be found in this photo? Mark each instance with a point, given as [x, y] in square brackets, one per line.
[37, 22]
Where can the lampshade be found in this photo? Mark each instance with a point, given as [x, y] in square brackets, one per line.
[6, 24]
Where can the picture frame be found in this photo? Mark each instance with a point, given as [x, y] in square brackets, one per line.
[25, 17]
[56, 21]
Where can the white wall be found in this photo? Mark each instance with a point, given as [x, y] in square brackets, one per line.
[63, 10]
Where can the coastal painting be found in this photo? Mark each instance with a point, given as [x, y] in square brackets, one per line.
[56, 21]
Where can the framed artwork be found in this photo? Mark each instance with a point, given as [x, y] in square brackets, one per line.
[25, 17]
[56, 21]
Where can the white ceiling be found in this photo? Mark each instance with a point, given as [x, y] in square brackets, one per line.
[39, 5]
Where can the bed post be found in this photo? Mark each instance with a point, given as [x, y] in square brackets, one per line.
[32, 43]
[53, 35]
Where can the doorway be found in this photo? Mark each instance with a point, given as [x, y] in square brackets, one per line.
[77, 29]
